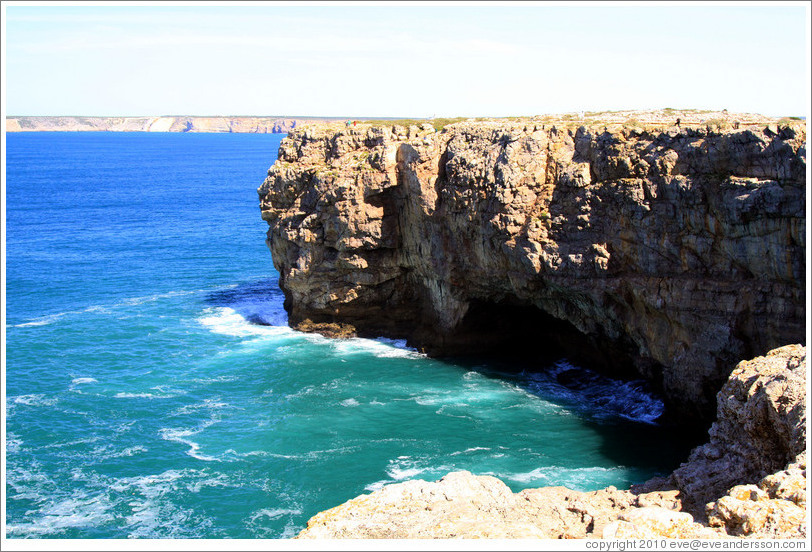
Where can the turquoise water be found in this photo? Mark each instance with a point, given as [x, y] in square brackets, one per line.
[153, 389]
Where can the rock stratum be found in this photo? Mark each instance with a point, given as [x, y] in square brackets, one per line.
[748, 481]
[662, 251]
[157, 124]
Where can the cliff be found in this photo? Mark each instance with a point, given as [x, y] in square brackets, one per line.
[670, 252]
[157, 124]
[748, 481]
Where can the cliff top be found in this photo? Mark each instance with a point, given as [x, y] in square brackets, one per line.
[613, 120]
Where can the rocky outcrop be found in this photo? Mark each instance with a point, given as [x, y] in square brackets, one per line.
[760, 430]
[670, 251]
[157, 124]
[462, 505]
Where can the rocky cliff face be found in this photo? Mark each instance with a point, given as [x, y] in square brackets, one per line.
[673, 251]
[749, 481]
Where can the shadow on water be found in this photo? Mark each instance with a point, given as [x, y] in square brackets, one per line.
[259, 302]
[630, 417]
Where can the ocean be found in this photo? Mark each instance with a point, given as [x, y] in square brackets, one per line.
[154, 390]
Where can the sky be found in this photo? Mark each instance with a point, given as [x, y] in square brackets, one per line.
[404, 60]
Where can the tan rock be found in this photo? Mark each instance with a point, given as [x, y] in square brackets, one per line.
[760, 430]
[687, 247]
[682, 249]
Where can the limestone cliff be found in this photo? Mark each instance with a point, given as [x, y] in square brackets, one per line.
[749, 481]
[673, 251]
[157, 124]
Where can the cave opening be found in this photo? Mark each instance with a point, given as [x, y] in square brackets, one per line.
[511, 337]
[519, 333]
[598, 377]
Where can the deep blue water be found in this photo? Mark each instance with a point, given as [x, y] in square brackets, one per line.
[142, 400]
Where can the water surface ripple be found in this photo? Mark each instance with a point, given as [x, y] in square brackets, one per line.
[155, 391]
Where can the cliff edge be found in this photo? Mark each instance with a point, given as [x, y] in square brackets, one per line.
[668, 252]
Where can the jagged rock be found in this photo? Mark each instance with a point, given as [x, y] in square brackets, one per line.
[679, 251]
[654, 522]
[760, 428]
[327, 329]
[462, 505]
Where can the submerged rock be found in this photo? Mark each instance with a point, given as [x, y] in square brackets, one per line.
[764, 429]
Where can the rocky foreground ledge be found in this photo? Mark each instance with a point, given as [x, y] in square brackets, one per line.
[748, 481]
[640, 247]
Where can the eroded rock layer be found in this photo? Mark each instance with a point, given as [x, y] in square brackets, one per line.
[677, 251]
[749, 481]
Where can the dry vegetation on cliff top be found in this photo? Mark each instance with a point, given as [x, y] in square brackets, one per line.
[646, 120]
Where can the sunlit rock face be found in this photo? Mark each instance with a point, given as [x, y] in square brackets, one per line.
[671, 252]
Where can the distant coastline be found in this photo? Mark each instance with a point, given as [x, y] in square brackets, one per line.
[160, 124]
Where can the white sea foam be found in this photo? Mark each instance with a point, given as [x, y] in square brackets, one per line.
[127, 395]
[290, 531]
[13, 443]
[381, 348]
[85, 441]
[466, 451]
[35, 399]
[154, 512]
[399, 474]
[377, 485]
[104, 309]
[575, 478]
[274, 513]
[258, 522]
[218, 379]
[227, 321]
[179, 435]
[43, 320]
[156, 297]
[205, 404]
[83, 510]
[444, 411]
[106, 452]
[404, 467]
[79, 381]
[349, 402]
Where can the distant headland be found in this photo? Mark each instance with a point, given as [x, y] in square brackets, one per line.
[160, 124]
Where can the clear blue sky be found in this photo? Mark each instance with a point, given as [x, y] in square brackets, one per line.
[414, 60]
